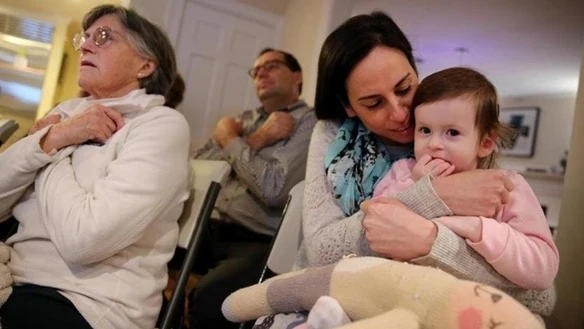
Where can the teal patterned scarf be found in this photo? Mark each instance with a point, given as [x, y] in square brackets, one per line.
[355, 161]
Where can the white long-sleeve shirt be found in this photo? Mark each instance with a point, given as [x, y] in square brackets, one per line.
[99, 223]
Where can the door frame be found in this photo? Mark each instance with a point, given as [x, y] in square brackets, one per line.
[232, 7]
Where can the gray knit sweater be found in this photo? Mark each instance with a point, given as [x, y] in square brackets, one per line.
[328, 235]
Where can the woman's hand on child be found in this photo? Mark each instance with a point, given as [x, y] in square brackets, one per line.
[427, 165]
[474, 193]
[396, 232]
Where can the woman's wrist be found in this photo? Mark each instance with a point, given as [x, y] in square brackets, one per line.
[422, 199]
[51, 140]
[440, 187]
[428, 238]
[444, 191]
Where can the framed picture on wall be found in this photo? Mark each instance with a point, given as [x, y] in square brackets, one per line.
[524, 120]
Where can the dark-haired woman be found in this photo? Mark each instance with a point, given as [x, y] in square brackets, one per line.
[366, 80]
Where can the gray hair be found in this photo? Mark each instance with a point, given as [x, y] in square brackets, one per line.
[147, 39]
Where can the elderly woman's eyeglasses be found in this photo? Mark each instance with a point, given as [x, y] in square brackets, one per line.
[268, 66]
[100, 36]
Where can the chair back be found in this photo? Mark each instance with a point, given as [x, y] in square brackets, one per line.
[202, 173]
[205, 182]
[289, 235]
[286, 242]
[7, 128]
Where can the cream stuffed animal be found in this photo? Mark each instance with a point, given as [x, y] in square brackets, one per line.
[380, 293]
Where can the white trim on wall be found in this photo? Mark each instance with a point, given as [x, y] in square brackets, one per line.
[239, 9]
[173, 23]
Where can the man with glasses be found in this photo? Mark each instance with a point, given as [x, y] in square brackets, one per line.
[267, 148]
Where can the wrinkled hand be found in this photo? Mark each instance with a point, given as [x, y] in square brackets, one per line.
[97, 123]
[278, 126]
[435, 167]
[46, 121]
[474, 193]
[396, 232]
[227, 129]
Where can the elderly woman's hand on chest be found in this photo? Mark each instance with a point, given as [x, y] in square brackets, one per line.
[97, 123]
[51, 119]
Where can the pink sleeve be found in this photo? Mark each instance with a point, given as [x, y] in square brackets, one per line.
[519, 244]
[396, 180]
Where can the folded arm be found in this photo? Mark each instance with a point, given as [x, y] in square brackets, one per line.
[20, 164]
[270, 175]
[150, 171]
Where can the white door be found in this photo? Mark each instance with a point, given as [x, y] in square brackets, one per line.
[216, 43]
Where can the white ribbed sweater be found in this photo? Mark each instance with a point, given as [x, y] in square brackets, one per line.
[99, 223]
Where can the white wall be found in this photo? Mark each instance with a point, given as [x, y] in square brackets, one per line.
[341, 10]
[302, 24]
[307, 23]
[155, 10]
[554, 131]
[277, 7]
[570, 281]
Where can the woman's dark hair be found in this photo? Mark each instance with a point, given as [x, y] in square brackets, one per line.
[175, 94]
[289, 59]
[460, 82]
[343, 49]
[147, 39]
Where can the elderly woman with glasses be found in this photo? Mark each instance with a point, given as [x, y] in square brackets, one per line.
[98, 187]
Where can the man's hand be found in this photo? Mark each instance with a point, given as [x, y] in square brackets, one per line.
[475, 192]
[46, 121]
[97, 123]
[435, 167]
[277, 127]
[227, 129]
